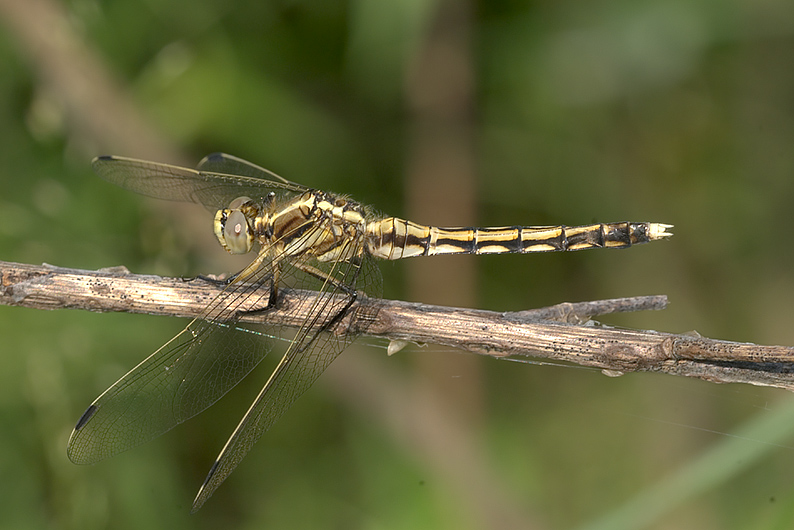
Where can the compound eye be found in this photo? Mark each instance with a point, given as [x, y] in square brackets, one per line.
[236, 233]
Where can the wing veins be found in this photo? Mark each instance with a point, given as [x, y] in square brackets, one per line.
[256, 421]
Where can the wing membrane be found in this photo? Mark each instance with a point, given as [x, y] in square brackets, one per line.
[312, 350]
[215, 351]
[231, 165]
[182, 378]
[213, 189]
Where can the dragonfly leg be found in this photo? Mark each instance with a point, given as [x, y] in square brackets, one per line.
[336, 284]
[324, 277]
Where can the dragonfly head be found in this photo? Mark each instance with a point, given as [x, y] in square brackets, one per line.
[233, 225]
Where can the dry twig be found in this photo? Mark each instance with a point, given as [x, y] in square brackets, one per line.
[554, 332]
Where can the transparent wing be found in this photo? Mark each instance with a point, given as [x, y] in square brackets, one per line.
[210, 185]
[314, 347]
[179, 380]
[231, 165]
[215, 351]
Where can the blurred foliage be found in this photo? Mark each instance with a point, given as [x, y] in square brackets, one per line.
[677, 112]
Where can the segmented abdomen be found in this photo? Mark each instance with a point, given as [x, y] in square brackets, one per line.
[394, 238]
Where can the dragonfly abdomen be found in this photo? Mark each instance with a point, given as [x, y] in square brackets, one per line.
[394, 238]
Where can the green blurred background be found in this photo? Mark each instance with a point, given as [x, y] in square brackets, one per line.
[454, 113]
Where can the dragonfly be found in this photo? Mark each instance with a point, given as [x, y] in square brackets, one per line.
[302, 238]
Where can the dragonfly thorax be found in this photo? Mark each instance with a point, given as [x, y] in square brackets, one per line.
[316, 223]
[319, 224]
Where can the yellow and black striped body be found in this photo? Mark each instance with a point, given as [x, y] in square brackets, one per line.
[323, 225]
[319, 224]
[394, 238]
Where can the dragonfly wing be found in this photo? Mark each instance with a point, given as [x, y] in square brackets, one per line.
[182, 378]
[212, 189]
[231, 165]
[314, 347]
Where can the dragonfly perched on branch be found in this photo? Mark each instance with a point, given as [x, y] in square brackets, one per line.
[303, 238]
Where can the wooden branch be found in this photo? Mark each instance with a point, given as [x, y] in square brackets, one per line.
[554, 332]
